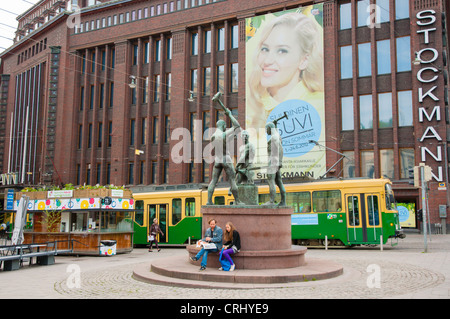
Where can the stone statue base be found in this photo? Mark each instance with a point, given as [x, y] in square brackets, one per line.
[265, 234]
[248, 194]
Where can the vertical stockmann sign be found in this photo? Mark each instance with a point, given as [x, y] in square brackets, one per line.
[285, 74]
[430, 109]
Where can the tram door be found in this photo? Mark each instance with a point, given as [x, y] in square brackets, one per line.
[160, 212]
[354, 227]
[373, 218]
[363, 218]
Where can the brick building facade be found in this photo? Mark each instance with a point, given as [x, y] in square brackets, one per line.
[86, 124]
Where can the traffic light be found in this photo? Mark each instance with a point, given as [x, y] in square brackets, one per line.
[413, 175]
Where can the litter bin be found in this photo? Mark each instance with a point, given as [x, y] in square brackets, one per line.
[108, 247]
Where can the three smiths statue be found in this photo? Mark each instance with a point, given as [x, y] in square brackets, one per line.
[222, 159]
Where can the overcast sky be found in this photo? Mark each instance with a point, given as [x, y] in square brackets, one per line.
[9, 10]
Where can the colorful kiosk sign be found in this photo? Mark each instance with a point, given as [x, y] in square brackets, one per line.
[90, 217]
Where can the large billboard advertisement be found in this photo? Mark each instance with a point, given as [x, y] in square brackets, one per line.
[285, 75]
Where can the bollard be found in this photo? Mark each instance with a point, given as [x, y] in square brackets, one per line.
[326, 242]
[381, 242]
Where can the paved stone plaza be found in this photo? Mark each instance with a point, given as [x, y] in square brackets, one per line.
[402, 271]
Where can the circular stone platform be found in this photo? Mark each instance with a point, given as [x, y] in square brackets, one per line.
[178, 271]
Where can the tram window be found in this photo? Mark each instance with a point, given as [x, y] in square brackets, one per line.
[176, 210]
[219, 200]
[373, 211]
[390, 200]
[299, 201]
[353, 210]
[264, 198]
[190, 206]
[139, 212]
[327, 201]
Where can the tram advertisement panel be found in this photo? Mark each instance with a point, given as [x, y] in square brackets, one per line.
[285, 75]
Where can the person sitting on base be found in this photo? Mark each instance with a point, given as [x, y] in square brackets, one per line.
[232, 244]
[212, 235]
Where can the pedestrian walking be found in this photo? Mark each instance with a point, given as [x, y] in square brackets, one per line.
[154, 230]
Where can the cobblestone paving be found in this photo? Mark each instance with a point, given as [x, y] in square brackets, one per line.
[396, 279]
[405, 272]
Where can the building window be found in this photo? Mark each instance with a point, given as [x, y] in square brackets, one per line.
[103, 59]
[405, 116]
[234, 79]
[111, 94]
[363, 13]
[205, 172]
[156, 84]
[141, 172]
[113, 58]
[220, 78]
[135, 54]
[169, 48]
[234, 36]
[365, 112]
[193, 86]
[82, 98]
[384, 110]
[403, 54]
[167, 129]
[206, 123]
[90, 135]
[207, 41]
[383, 57]
[192, 118]
[387, 163]
[406, 161]
[168, 86]
[131, 173]
[108, 173]
[144, 131]
[157, 50]
[146, 51]
[221, 39]
[401, 9]
[145, 89]
[99, 172]
[132, 127]
[367, 164]
[100, 134]
[382, 14]
[194, 44]
[80, 136]
[166, 172]
[347, 113]
[133, 96]
[110, 130]
[364, 60]
[154, 171]
[346, 62]
[102, 94]
[345, 16]
[207, 81]
[93, 62]
[155, 130]
[349, 164]
[91, 101]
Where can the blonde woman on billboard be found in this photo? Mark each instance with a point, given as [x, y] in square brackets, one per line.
[287, 64]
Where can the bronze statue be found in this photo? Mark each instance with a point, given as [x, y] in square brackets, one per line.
[275, 154]
[244, 168]
[222, 158]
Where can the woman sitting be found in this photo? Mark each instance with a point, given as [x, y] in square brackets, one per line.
[232, 244]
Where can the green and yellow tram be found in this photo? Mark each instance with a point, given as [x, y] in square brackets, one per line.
[346, 212]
